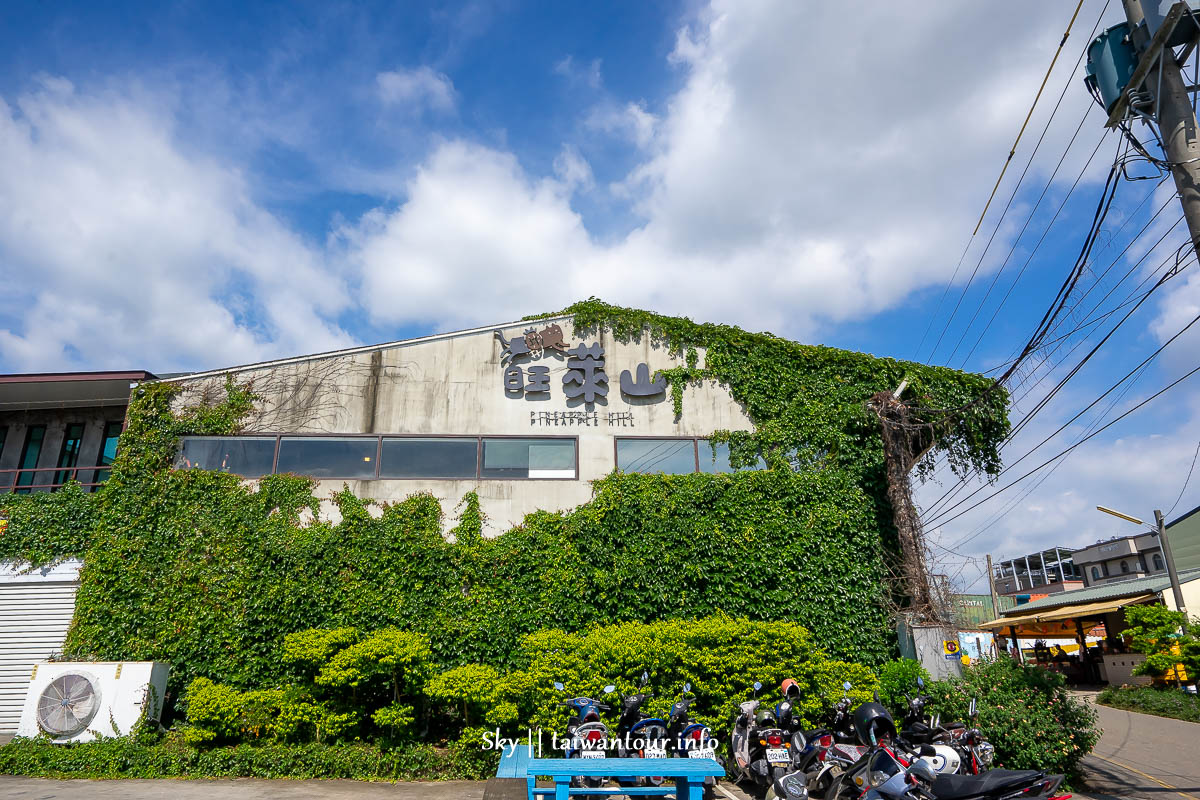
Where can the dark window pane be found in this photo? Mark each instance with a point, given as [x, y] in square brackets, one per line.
[669, 456]
[248, 456]
[528, 458]
[3, 439]
[30, 453]
[428, 458]
[68, 456]
[108, 451]
[328, 457]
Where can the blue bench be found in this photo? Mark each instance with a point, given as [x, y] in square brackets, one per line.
[687, 774]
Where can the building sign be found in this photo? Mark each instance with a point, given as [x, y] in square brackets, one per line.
[584, 379]
[950, 648]
[593, 419]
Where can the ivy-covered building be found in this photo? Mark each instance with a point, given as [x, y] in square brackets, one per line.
[586, 467]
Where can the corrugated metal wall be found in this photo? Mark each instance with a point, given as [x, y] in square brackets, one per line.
[34, 615]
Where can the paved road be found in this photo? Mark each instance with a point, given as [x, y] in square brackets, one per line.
[1144, 757]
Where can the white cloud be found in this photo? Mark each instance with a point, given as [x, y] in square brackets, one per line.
[119, 249]
[783, 186]
[417, 89]
[631, 122]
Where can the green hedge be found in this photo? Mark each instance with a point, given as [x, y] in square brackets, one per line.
[129, 758]
[1161, 702]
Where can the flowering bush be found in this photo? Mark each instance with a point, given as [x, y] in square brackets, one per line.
[1025, 712]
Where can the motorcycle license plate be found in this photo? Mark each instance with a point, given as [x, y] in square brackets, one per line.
[702, 753]
[778, 755]
[656, 752]
[591, 754]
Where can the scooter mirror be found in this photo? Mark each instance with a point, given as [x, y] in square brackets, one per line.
[609, 689]
[972, 711]
[645, 677]
[687, 687]
[920, 682]
[559, 686]
[757, 686]
[846, 686]
[923, 771]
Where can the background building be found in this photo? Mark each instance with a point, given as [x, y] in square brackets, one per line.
[1141, 555]
[56, 427]
[1042, 573]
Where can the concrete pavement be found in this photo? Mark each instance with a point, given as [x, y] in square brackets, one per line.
[236, 789]
[1144, 757]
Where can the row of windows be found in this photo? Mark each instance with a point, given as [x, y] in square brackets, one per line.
[442, 457]
[25, 477]
[383, 457]
[1158, 567]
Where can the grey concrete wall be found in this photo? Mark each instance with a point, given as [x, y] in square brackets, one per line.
[453, 384]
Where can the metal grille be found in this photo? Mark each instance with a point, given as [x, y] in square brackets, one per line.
[67, 705]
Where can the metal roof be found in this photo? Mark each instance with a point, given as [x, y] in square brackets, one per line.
[1107, 591]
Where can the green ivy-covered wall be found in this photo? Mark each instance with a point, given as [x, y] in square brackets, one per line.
[207, 573]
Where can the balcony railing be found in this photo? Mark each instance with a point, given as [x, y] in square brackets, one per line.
[50, 479]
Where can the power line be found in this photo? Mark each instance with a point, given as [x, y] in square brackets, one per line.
[1063, 382]
[961, 483]
[1185, 481]
[1067, 451]
[1036, 97]
[1012, 152]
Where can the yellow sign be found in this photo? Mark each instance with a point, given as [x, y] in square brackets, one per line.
[950, 646]
[3, 525]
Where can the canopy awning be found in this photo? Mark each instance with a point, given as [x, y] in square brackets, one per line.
[1064, 613]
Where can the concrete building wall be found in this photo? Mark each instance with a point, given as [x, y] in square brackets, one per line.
[454, 384]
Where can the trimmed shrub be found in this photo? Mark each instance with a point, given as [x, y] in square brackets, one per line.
[719, 656]
[1025, 712]
[172, 758]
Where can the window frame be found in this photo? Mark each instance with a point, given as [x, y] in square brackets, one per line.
[379, 437]
[695, 452]
[695, 440]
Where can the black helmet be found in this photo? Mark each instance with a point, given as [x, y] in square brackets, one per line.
[765, 719]
[873, 724]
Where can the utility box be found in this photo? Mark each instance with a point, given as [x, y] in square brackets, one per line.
[1111, 60]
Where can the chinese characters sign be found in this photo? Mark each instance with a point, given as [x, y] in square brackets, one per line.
[584, 378]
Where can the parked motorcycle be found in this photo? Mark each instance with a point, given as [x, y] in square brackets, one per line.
[831, 750]
[917, 728]
[587, 735]
[640, 735]
[685, 738]
[891, 774]
[762, 751]
[890, 771]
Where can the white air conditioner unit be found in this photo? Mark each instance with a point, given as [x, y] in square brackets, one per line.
[77, 701]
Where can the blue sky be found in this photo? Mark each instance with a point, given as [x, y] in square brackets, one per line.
[193, 185]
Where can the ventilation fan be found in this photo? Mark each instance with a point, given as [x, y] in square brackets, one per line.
[68, 704]
[78, 701]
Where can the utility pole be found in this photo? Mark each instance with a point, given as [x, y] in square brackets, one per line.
[1173, 112]
[1166, 547]
[992, 589]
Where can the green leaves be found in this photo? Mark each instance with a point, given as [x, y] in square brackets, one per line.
[1025, 712]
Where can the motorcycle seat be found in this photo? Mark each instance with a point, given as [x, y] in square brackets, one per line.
[954, 787]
